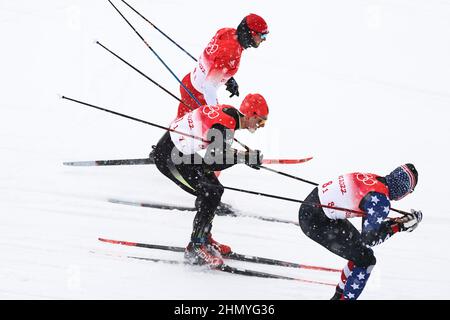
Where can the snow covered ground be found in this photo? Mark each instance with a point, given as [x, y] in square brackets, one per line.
[360, 85]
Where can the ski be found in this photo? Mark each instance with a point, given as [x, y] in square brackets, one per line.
[231, 256]
[145, 161]
[219, 212]
[155, 205]
[119, 162]
[223, 268]
[234, 270]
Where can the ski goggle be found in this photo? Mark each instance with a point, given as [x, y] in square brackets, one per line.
[261, 122]
[262, 36]
[411, 178]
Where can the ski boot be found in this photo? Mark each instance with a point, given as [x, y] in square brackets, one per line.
[222, 249]
[201, 254]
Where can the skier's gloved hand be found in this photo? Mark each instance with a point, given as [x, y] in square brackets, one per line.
[410, 221]
[232, 87]
[253, 158]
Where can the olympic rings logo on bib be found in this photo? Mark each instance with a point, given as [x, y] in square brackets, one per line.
[367, 179]
[211, 111]
[212, 47]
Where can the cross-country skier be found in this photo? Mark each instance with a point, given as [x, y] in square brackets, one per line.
[370, 194]
[178, 157]
[220, 61]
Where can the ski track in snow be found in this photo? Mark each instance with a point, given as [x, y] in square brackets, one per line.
[359, 86]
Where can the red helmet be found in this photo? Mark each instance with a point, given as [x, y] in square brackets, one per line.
[254, 104]
[256, 23]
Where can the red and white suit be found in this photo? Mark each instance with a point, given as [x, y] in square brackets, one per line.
[218, 63]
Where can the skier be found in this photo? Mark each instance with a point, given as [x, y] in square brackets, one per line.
[177, 156]
[367, 193]
[220, 61]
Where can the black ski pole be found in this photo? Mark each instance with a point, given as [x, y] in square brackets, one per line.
[400, 211]
[165, 35]
[288, 175]
[133, 118]
[144, 75]
[357, 213]
[156, 54]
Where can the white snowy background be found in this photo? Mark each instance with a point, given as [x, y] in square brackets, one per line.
[359, 85]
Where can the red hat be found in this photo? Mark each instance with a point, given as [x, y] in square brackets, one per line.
[256, 23]
[254, 104]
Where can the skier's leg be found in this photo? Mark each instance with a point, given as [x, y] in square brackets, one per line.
[209, 193]
[199, 250]
[164, 163]
[187, 99]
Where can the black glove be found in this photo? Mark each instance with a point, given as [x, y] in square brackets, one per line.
[232, 87]
[410, 221]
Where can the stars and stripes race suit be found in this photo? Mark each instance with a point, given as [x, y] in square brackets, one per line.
[218, 63]
[178, 157]
[364, 192]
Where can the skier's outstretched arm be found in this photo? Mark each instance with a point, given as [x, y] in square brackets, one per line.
[376, 227]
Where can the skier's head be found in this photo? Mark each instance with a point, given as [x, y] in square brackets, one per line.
[402, 181]
[252, 31]
[255, 111]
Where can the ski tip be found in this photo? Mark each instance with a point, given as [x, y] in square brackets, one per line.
[95, 41]
[109, 240]
[60, 96]
[305, 159]
[285, 161]
[125, 243]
